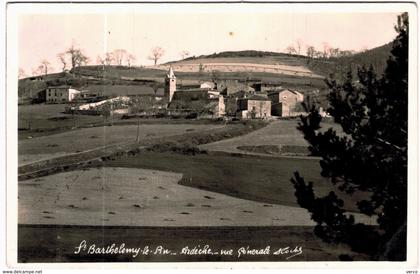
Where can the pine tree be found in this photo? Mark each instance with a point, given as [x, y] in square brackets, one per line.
[370, 158]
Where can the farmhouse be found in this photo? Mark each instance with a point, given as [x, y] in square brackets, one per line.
[60, 94]
[229, 87]
[286, 103]
[255, 106]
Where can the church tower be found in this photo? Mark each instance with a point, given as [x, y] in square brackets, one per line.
[170, 84]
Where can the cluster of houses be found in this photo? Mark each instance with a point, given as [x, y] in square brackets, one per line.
[233, 98]
[217, 98]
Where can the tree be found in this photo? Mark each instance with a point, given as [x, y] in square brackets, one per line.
[310, 51]
[371, 157]
[299, 45]
[184, 54]
[100, 60]
[119, 55]
[76, 56]
[291, 49]
[44, 66]
[156, 54]
[130, 59]
[325, 50]
[81, 59]
[62, 58]
[109, 58]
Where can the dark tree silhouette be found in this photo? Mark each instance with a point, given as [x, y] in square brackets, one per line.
[370, 158]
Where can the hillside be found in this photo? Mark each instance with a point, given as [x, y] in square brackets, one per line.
[290, 71]
[338, 67]
[298, 63]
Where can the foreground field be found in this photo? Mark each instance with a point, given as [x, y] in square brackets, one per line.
[261, 179]
[90, 138]
[139, 197]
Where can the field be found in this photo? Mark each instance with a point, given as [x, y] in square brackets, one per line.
[280, 134]
[140, 207]
[78, 140]
[124, 90]
[265, 60]
[260, 179]
[141, 197]
[249, 68]
[42, 119]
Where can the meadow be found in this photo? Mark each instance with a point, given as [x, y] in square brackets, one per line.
[78, 140]
[256, 178]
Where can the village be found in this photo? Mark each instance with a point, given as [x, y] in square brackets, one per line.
[228, 99]
[182, 134]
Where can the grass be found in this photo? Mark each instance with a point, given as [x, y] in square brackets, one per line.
[280, 133]
[255, 178]
[81, 197]
[43, 119]
[266, 60]
[123, 90]
[90, 138]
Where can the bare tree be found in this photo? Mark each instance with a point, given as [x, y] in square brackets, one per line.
[44, 66]
[130, 59]
[334, 52]
[291, 49]
[76, 55]
[184, 54]
[100, 60]
[318, 54]
[81, 59]
[325, 49]
[299, 45]
[21, 73]
[119, 55]
[156, 54]
[310, 51]
[62, 58]
[109, 58]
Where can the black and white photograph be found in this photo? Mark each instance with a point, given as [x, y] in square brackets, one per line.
[212, 132]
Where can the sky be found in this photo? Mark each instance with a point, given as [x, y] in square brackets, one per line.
[43, 36]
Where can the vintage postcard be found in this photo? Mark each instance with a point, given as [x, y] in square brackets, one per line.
[219, 134]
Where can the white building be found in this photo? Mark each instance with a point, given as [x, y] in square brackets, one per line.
[170, 84]
[60, 94]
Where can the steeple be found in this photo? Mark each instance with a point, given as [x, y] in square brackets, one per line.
[170, 84]
[171, 73]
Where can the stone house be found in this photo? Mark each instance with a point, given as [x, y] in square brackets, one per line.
[229, 87]
[286, 102]
[254, 107]
[60, 94]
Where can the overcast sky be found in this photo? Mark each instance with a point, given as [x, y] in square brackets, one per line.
[43, 36]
